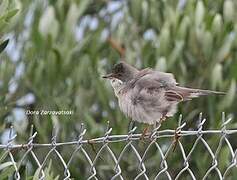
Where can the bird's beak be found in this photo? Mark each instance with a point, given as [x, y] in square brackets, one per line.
[108, 76]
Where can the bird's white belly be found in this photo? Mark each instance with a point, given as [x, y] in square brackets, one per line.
[138, 112]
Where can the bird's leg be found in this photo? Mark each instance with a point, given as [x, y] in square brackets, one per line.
[158, 123]
[163, 117]
[131, 125]
[156, 126]
[176, 139]
[144, 132]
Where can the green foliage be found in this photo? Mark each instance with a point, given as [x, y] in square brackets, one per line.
[8, 9]
[60, 51]
[49, 175]
[3, 45]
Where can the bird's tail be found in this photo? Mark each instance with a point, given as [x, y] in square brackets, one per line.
[189, 93]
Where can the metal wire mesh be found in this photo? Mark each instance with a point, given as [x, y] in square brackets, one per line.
[163, 168]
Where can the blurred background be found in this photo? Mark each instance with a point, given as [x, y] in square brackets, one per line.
[54, 52]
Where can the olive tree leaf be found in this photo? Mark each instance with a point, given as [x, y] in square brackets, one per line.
[9, 14]
[3, 45]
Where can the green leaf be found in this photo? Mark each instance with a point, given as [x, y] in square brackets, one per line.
[183, 28]
[207, 44]
[48, 173]
[9, 14]
[136, 9]
[225, 49]
[199, 14]
[3, 6]
[82, 7]
[228, 10]
[216, 75]
[74, 13]
[48, 24]
[229, 98]
[161, 64]
[3, 155]
[12, 13]
[165, 40]
[8, 171]
[3, 45]
[217, 24]
[224, 157]
[5, 165]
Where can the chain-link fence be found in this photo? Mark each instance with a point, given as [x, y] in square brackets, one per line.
[160, 154]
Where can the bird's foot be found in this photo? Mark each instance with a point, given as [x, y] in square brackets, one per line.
[176, 139]
[163, 118]
[144, 133]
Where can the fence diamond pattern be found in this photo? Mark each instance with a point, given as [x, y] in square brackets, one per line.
[106, 142]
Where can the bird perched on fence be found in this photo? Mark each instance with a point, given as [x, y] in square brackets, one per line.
[147, 95]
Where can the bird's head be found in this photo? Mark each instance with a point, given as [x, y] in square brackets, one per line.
[122, 71]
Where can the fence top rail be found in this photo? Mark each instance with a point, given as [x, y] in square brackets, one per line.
[120, 138]
[131, 136]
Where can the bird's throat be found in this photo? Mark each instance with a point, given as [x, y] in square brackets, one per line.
[117, 86]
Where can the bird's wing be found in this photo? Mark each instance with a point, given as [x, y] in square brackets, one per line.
[157, 85]
[148, 76]
[165, 78]
[154, 96]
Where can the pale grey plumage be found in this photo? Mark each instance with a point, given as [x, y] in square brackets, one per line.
[143, 98]
[148, 96]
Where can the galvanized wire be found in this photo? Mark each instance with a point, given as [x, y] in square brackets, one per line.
[107, 140]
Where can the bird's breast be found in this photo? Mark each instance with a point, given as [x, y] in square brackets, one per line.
[140, 108]
[124, 100]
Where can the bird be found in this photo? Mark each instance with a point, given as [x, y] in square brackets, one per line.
[149, 96]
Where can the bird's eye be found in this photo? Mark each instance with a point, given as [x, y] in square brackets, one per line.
[113, 80]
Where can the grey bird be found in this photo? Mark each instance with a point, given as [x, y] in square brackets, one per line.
[149, 96]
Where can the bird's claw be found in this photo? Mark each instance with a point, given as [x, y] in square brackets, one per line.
[144, 134]
[163, 118]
